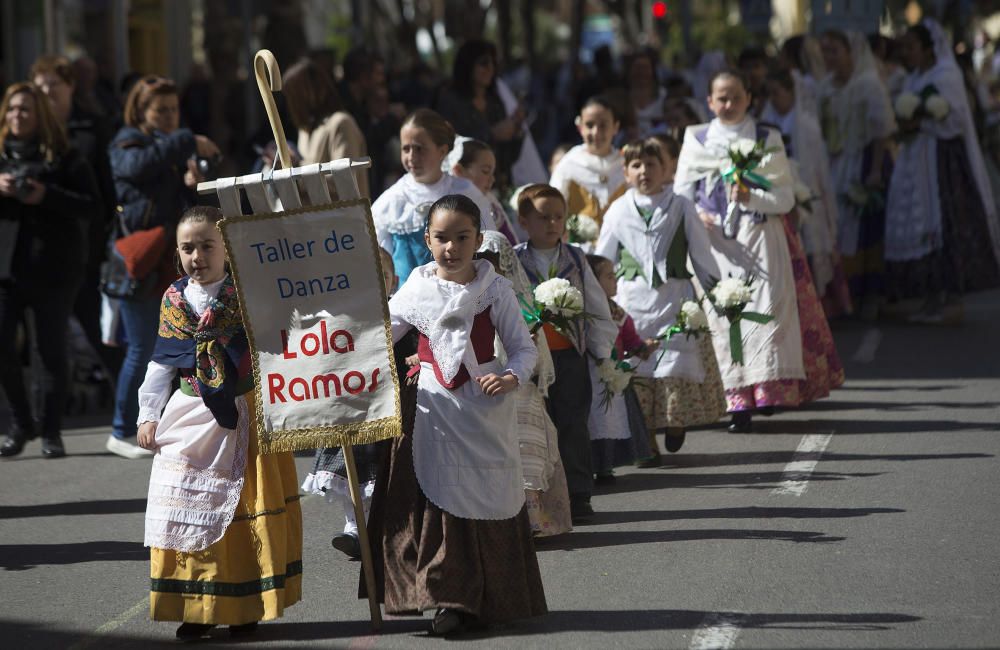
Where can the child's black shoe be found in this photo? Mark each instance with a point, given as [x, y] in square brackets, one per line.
[193, 631]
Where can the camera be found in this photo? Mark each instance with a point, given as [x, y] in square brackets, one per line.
[23, 171]
[208, 166]
[22, 183]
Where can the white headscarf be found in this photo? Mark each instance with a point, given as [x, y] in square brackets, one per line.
[946, 59]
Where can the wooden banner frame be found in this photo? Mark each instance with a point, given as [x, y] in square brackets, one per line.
[340, 435]
[268, 76]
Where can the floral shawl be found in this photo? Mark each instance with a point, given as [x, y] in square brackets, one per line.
[212, 352]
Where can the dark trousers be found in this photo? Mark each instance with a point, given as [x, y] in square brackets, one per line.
[568, 405]
[51, 308]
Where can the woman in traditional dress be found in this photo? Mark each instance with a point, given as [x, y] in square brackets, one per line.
[755, 245]
[941, 222]
[857, 124]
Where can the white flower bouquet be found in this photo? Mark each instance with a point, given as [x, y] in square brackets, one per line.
[582, 229]
[937, 107]
[691, 321]
[730, 298]
[556, 302]
[907, 105]
[745, 156]
[928, 103]
[615, 376]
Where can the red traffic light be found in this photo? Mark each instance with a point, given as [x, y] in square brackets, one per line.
[659, 10]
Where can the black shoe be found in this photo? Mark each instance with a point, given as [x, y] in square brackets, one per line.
[12, 446]
[673, 442]
[448, 621]
[605, 479]
[652, 461]
[53, 447]
[348, 545]
[193, 631]
[580, 510]
[245, 630]
[766, 411]
[741, 423]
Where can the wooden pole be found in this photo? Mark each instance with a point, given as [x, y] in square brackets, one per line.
[268, 75]
[366, 551]
[265, 68]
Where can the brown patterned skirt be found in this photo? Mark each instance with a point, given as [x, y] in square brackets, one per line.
[426, 558]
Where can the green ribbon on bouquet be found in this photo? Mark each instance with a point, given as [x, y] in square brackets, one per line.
[736, 333]
[532, 315]
[736, 175]
[665, 336]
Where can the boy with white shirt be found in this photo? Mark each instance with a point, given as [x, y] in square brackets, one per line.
[542, 213]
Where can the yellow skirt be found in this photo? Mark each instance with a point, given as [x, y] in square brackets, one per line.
[255, 571]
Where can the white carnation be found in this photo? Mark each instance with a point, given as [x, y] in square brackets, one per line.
[732, 292]
[907, 105]
[585, 228]
[937, 106]
[616, 379]
[560, 297]
[745, 146]
[694, 316]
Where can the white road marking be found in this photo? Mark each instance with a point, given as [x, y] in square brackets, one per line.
[797, 472]
[113, 624]
[718, 631]
[869, 346]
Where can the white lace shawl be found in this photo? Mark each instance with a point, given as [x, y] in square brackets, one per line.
[443, 311]
[600, 176]
[402, 209]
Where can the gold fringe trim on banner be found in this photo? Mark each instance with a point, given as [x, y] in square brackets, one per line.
[341, 435]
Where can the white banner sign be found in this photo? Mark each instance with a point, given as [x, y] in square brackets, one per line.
[313, 300]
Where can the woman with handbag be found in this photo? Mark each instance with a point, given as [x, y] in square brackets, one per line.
[155, 171]
[48, 193]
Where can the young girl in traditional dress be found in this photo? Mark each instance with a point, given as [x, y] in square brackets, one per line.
[857, 124]
[617, 435]
[223, 523]
[772, 352]
[590, 175]
[400, 213]
[456, 538]
[474, 161]
[542, 213]
[939, 240]
[651, 233]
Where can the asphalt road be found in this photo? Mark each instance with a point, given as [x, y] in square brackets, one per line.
[868, 520]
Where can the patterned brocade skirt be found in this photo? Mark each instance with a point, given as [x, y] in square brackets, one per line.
[671, 402]
[824, 372]
[255, 571]
[426, 558]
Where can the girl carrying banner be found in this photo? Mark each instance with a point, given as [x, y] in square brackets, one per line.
[455, 537]
[223, 523]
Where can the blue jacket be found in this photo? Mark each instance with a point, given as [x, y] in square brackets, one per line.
[148, 172]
